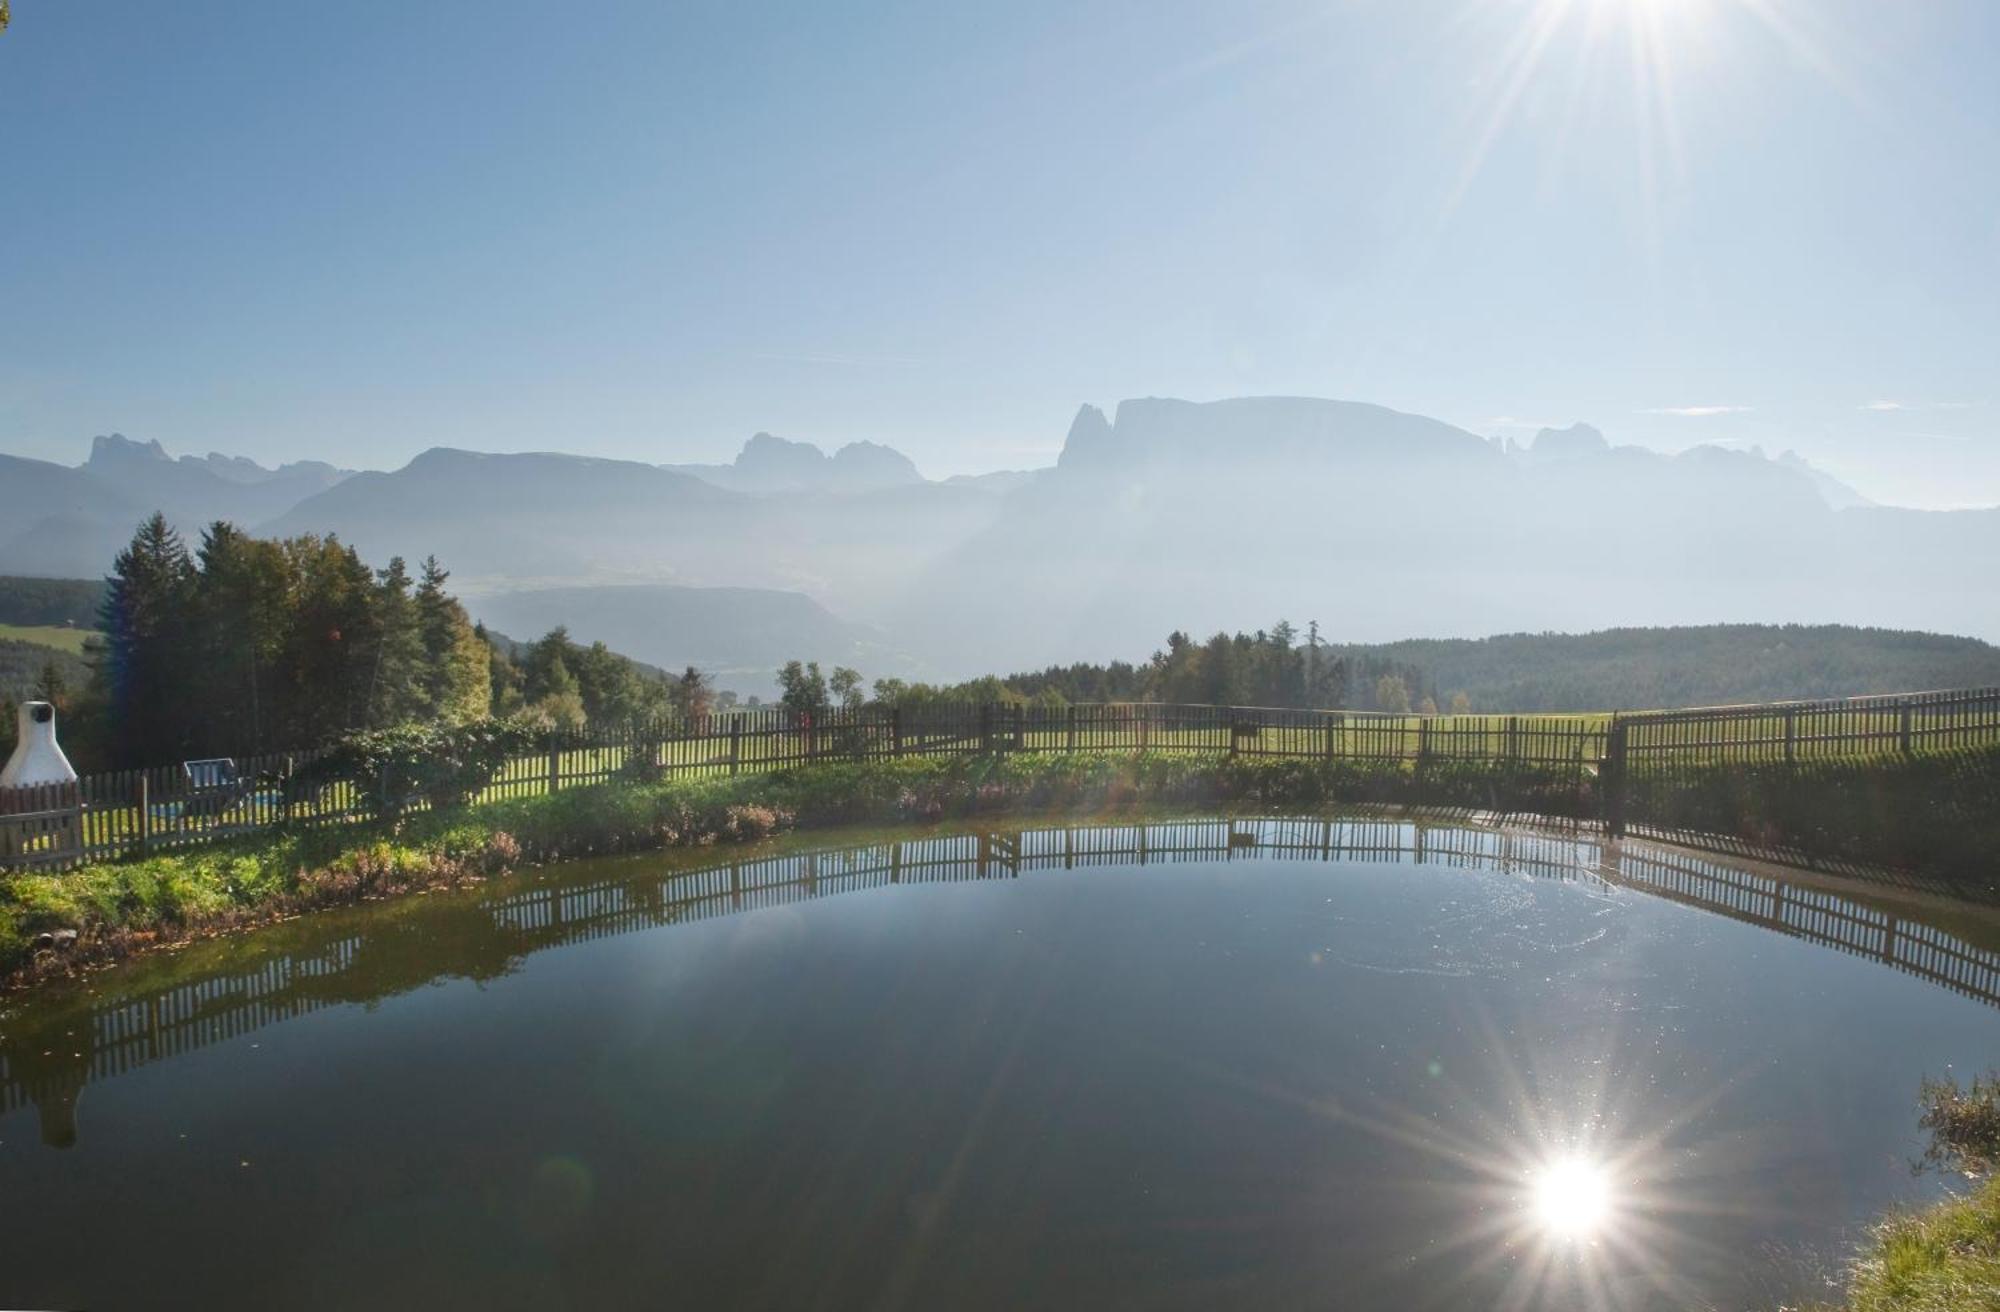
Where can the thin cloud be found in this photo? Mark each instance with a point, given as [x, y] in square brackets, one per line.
[1697, 411]
[844, 358]
[1884, 407]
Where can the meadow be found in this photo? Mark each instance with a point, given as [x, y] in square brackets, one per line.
[59, 637]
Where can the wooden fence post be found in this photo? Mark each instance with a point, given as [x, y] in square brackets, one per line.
[145, 813]
[1069, 730]
[1613, 775]
[735, 743]
[896, 730]
[555, 763]
[986, 728]
[1791, 737]
[1903, 729]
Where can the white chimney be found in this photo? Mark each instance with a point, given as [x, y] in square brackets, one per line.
[36, 759]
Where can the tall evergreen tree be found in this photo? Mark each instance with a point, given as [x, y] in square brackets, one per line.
[144, 664]
[242, 610]
[396, 678]
[457, 675]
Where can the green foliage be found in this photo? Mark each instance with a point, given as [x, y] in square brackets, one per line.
[1629, 669]
[22, 664]
[1934, 813]
[1266, 668]
[441, 763]
[289, 870]
[1705, 665]
[1963, 1123]
[693, 696]
[247, 646]
[1942, 1259]
[803, 688]
[72, 603]
[568, 685]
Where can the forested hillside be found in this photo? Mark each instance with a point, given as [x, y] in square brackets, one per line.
[1618, 669]
[75, 602]
[24, 673]
[1635, 669]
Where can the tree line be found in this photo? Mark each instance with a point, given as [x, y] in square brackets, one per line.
[1611, 670]
[243, 645]
[1271, 667]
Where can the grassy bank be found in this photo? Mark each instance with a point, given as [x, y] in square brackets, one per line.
[1946, 1257]
[1942, 1259]
[1937, 813]
[58, 923]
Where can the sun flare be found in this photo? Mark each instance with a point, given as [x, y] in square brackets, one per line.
[1571, 1197]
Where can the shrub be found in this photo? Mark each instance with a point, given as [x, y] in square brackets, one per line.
[1964, 1124]
[439, 764]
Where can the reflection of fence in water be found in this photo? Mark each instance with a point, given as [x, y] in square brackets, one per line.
[131, 1031]
[1813, 914]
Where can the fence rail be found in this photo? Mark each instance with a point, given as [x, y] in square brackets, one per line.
[133, 812]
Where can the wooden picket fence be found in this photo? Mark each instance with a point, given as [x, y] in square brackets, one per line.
[135, 812]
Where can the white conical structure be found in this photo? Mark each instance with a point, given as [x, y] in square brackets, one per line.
[37, 758]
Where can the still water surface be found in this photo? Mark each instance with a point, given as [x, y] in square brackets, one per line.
[1263, 1064]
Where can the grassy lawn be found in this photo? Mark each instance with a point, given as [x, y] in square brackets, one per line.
[48, 635]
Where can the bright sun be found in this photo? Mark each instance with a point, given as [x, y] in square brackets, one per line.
[1571, 1197]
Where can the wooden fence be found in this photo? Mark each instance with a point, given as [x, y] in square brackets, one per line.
[131, 812]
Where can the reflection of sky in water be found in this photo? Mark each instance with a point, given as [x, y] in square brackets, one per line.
[1206, 1083]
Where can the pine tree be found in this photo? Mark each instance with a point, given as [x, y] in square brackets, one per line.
[51, 687]
[693, 696]
[457, 674]
[242, 610]
[144, 666]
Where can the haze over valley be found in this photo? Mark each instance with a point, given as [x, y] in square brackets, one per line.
[1158, 515]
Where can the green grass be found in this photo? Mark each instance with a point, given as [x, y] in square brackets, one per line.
[48, 635]
[1944, 1258]
[118, 907]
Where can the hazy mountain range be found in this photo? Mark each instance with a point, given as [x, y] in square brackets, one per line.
[1163, 514]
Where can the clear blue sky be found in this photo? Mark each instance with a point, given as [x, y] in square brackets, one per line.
[649, 229]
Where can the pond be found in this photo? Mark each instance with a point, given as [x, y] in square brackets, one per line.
[1180, 1064]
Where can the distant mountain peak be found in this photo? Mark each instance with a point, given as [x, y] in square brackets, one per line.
[1270, 433]
[769, 463]
[874, 464]
[1836, 494]
[1577, 439]
[116, 448]
[1089, 440]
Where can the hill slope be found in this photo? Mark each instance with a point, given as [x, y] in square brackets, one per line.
[1707, 665]
[739, 635]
